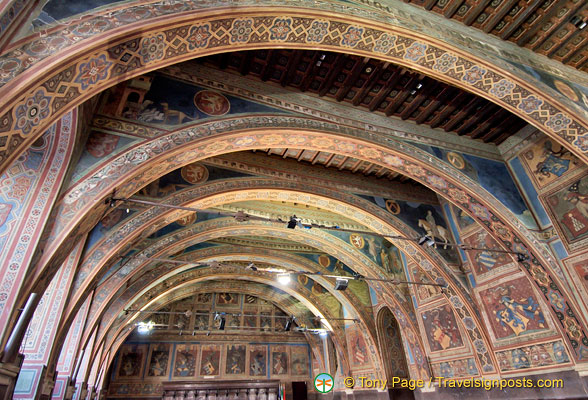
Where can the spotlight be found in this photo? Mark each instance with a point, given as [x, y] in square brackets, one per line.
[522, 257]
[145, 327]
[222, 319]
[252, 267]
[341, 284]
[425, 241]
[284, 279]
[288, 325]
[323, 333]
[294, 222]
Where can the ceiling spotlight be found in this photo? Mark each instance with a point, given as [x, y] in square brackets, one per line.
[341, 284]
[145, 327]
[578, 22]
[294, 222]
[222, 319]
[252, 267]
[288, 325]
[284, 279]
[323, 333]
[426, 241]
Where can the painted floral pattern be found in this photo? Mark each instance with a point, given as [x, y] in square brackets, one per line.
[558, 122]
[415, 52]
[530, 104]
[437, 181]
[474, 75]
[480, 211]
[352, 36]
[317, 31]
[199, 36]
[152, 48]
[502, 88]
[280, 29]
[445, 63]
[241, 30]
[32, 112]
[93, 71]
[385, 43]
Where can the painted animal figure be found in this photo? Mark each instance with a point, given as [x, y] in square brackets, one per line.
[435, 232]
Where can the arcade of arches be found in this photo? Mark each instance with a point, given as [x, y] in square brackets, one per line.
[135, 134]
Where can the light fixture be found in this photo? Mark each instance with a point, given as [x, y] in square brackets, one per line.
[425, 241]
[284, 279]
[288, 325]
[145, 327]
[323, 333]
[294, 222]
[341, 283]
[222, 319]
[578, 22]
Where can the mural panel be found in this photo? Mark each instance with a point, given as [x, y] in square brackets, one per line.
[547, 161]
[258, 360]
[358, 350]
[132, 359]
[456, 368]
[534, 356]
[159, 357]
[486, 264]
[300, 361]
[568, 209]
[235, 361]
[185, 359]
[279, 360]
[210, 360]
[441, 329]
[512, 310]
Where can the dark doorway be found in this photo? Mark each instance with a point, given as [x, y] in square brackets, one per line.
[298, 390]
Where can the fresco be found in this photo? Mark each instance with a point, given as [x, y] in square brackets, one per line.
[279, 360]
[547, 162]
[300, 360]
[227, 299]
[463, 220]
[424, 293]
[60, 9]
[185, 359]
[441, 329]
[358, 351]
[537, 355]
[512, 309]
[493, 176]
[210, 360]
[579, 264]
[257, 360]
[456, 368]
[132, 359]
[568, 208]
[158, 359]
[485, 264]
[235, 362]
[161, 101]
[392, 348]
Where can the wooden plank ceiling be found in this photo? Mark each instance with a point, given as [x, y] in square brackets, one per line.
[377, 86]
[555, 28]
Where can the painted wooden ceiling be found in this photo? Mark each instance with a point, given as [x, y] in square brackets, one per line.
[376, 86]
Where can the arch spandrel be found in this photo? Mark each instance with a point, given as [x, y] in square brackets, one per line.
[447, 182]
[72, 84]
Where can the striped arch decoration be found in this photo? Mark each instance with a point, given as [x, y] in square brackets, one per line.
[166, 154]
[53, 74]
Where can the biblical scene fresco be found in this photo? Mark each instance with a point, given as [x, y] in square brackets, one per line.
[568, 208]
[533, 356]
[512, 310]
[492, 176]
[441, 329]
[547, 162]
[456, 368]
[132, 360]
[486, 264]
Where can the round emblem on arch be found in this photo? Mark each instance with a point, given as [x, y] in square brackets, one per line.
[456, 160]
[211, 103]
[357, 241]
[393, 207]
[187, 220]
[324, 261]
[194, 173]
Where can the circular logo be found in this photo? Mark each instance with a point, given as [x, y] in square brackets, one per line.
[393, 207]
[194, 173]
[323, 383]
[357, 241]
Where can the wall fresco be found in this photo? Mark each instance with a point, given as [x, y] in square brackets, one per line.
[185, 359]
[533, 356]
[441, 329]
[132, 360]
[486, 264]
[456, 368]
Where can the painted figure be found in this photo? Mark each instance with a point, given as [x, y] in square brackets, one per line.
[433, 230]
[517, 314]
